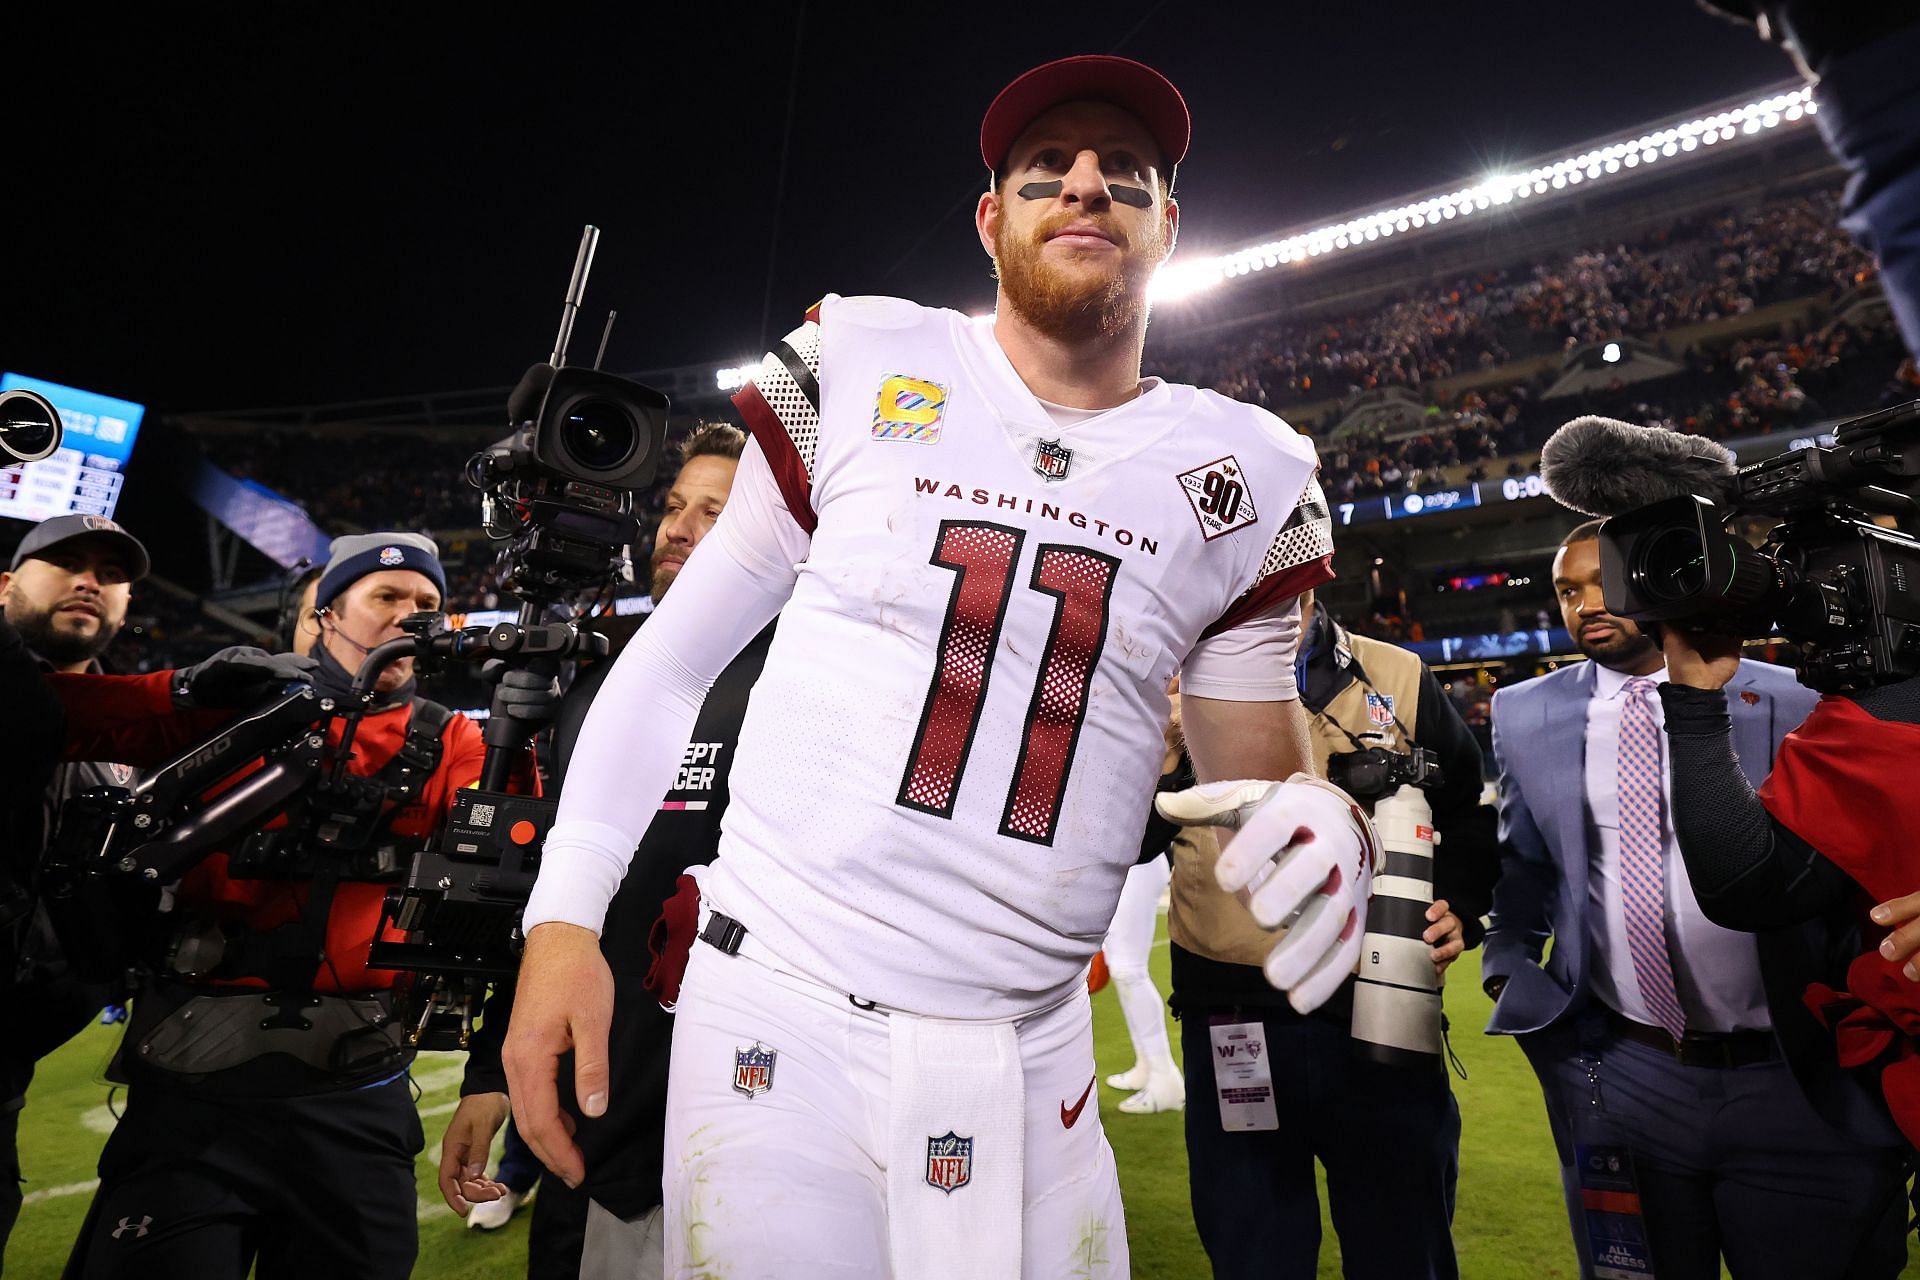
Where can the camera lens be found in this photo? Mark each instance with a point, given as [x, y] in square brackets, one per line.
[1671, 566]
[598, 434]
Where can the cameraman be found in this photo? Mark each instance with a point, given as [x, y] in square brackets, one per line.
[623, 1146]
[269, 1116]
[1826, 834]
[1388, 1136]
[1677, 1052]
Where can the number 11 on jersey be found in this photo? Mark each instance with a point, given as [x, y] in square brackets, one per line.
[983, 557]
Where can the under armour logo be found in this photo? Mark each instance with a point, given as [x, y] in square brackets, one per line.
[138, 1228]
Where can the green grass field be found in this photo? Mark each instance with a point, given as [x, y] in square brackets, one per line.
[1509, 1224]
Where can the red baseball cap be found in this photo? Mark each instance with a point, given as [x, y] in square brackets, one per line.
[1129, 85]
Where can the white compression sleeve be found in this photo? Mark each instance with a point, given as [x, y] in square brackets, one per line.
[634, 737]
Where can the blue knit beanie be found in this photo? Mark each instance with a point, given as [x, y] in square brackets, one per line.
[355, 556]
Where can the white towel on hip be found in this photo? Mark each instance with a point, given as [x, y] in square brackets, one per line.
[956, 1154]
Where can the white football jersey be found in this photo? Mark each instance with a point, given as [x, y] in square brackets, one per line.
[945, 767]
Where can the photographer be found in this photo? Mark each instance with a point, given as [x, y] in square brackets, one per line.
[1388, 1136]
[268, 1115]
[1824, 835]
[623, 1146]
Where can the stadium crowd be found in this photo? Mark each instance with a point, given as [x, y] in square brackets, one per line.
[1696, 270]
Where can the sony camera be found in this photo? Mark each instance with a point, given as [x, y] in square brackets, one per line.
[559, 490]
[1373, 772]
[1828, 577]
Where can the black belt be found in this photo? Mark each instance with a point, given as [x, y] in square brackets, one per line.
[1700, 1048]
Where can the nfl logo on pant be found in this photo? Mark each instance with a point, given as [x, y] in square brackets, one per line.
[949, 1162]
[753, 1069]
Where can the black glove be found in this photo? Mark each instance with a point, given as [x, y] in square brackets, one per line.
[238, 677]
[526, 697]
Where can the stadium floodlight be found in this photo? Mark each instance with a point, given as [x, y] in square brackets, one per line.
[735, 377]
[1595, 163]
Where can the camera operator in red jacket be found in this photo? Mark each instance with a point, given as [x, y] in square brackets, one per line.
[269, 1118]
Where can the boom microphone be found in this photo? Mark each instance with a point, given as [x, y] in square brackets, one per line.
[1603, 467]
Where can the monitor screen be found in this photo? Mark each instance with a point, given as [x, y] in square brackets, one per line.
[85, 473]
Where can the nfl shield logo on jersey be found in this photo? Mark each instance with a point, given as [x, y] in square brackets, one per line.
[753, 1069]
[1221, 500]
[1051, 460]
[949, 1162]
[1380, 709]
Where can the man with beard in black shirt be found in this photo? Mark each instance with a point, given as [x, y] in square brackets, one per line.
[622, 1216]
[65, 593]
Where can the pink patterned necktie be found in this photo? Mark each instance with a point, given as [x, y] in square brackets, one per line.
[1643, 872]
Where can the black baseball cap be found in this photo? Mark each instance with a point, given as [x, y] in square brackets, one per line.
[1132, 86]
[52, 532]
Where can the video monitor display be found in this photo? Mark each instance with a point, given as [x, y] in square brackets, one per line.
[85, 474]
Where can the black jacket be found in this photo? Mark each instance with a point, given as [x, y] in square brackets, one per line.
[30, 751]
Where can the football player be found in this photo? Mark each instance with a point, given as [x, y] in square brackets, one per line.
[990, 546]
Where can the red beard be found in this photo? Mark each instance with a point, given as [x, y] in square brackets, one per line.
[1076, 306]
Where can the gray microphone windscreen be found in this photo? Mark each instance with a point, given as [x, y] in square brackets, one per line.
[1603, 467]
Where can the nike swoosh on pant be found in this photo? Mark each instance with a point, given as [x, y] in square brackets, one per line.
[1069, 1116]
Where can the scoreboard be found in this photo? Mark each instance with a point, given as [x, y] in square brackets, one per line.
[85, 474]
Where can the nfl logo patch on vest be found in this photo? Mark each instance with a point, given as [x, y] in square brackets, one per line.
[1380, 709]
[1052, 460]
[949, 1162]
[753, 1069]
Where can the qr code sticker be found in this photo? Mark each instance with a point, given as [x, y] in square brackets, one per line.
[482, 815]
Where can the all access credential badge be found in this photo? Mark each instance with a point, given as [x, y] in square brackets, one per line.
[753, 1069]
[949, 1162]
[909, 409]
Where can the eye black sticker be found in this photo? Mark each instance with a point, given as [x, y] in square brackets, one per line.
[1137, 197]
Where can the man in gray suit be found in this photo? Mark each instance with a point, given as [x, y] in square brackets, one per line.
[1672, 1052]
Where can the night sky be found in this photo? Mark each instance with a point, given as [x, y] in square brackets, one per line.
[286, 204]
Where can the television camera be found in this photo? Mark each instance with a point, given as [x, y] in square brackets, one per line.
[1827, 576]
[558, 492]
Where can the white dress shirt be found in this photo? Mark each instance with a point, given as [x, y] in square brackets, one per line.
[1716, 971]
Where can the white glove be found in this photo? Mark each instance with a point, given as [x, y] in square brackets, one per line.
[1303, 854]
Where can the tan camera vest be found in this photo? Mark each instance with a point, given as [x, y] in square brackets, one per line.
[1197, 908]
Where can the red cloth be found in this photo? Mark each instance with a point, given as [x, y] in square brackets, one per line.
[671, 942]
[1875, 1023]
[1843, 782]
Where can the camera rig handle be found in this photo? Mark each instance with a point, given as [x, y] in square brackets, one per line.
[283, 732]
